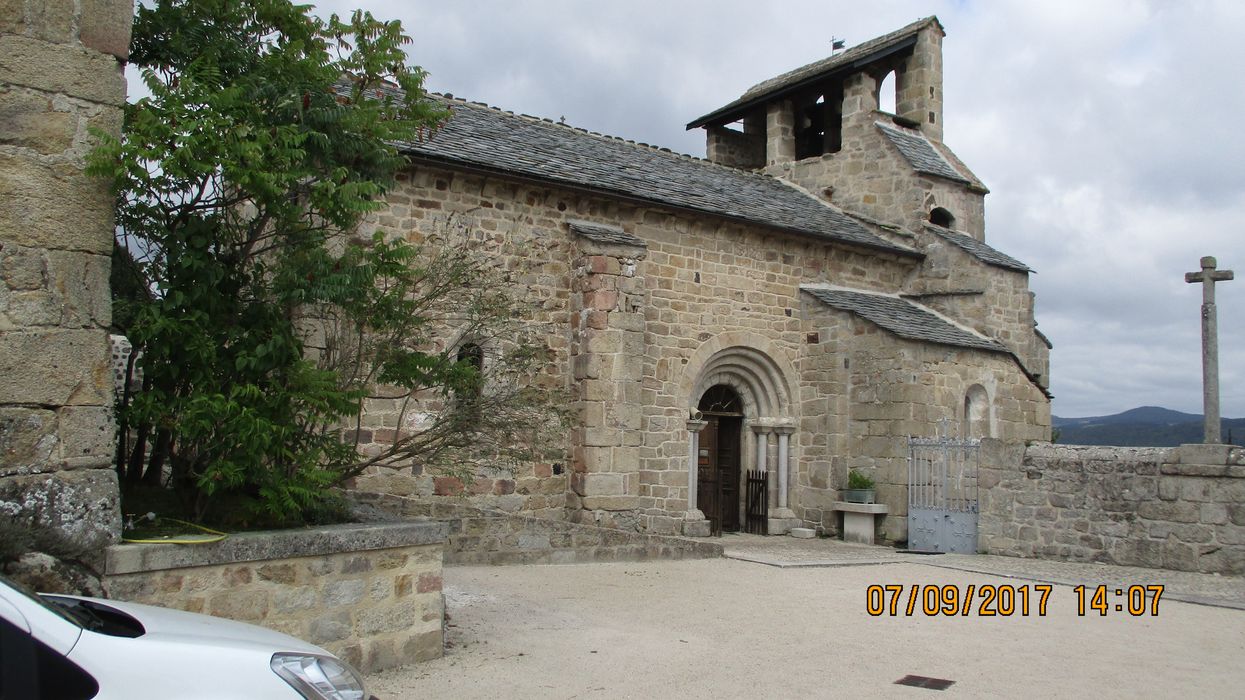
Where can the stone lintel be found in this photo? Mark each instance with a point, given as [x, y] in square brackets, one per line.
[273, 544]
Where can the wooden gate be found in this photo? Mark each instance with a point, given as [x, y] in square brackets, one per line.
[757, 521]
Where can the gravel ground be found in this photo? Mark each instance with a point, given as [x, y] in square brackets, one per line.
[798, 627]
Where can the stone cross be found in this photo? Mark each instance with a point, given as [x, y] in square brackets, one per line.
[1208, 276]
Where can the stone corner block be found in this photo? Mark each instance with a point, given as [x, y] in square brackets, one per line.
[105, 26]
[696, 528]
[83, 505]
[63, 68]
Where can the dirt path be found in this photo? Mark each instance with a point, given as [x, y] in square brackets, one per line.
[727, 628]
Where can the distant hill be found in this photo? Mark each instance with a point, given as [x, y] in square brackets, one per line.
[1147, 426]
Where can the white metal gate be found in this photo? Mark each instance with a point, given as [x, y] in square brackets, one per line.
[942, 495]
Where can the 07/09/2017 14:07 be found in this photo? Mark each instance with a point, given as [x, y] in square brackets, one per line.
[1006, 600]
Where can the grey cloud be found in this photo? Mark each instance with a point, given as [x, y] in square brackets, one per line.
[1107, 132]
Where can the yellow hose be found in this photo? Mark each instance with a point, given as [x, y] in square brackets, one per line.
[198, 540]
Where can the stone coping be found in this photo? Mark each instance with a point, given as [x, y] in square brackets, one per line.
[872, 508]
[1203, 454]
[272, 544]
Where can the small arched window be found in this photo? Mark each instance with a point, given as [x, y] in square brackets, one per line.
[941, 217]
[886, 94]
[472, 356]
[976, 412]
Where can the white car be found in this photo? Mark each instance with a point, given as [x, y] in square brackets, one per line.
[73, 648]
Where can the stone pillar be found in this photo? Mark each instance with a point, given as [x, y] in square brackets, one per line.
[693, 453]
[782, 518]
[860, 96]
[779, 133]
[61, 76]
[607, 355]
[918, 83]
[762, 438]
[783, 478]
[694, 522]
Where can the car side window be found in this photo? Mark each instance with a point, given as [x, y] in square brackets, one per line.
[31, 669]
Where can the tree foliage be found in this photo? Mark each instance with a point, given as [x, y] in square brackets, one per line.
[266, 322]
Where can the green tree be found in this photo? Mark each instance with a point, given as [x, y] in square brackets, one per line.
[266, 322]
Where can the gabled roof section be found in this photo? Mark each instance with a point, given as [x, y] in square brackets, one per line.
[903, 318]
[919, 152]
[804, 76]
[602, 233]
[978, 250]
[481, 138]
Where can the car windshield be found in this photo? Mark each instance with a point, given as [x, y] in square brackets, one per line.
[21, 589]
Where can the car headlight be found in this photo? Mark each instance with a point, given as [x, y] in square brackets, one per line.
[318, 677]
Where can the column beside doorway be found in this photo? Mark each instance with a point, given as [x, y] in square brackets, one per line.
[782, 518]
[694, 522]
[762, 437]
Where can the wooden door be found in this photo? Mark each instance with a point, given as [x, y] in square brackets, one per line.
[717, 473]
[727, 449]
[708, 495]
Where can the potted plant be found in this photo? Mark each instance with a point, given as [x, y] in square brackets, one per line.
[859, 488]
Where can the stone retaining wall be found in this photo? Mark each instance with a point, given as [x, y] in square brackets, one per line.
[369, 593]
[478, 536]
[1171, 508]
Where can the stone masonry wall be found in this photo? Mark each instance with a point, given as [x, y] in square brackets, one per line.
[60, 75]
[1171, 508]
[993, 300]
[876, 390]
[480, 536]
[871, 177]
[369, 593]
[734, 148]
[700, 279]
[523, 229]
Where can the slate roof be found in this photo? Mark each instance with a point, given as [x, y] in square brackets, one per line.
[979, 250]
[903, 318]
[602, 233]
[919, 152]
[484, 138]
[858, 55]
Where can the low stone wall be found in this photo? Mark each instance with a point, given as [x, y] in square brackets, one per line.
[1171, 508]
[369, 593]
[479, 536]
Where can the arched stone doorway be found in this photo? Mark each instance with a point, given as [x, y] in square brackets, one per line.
[718, 461]
[763, 381]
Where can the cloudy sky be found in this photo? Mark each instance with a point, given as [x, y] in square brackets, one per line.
[1108, 132]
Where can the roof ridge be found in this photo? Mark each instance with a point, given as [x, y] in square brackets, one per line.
[856, 48]
[610, 137]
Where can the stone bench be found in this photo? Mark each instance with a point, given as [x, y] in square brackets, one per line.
[858, 520]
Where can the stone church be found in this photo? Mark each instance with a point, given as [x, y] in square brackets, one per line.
[795, 305]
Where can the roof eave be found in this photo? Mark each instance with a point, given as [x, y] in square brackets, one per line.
[625, 196]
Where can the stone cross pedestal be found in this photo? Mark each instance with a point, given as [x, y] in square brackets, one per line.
[1208, 276]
